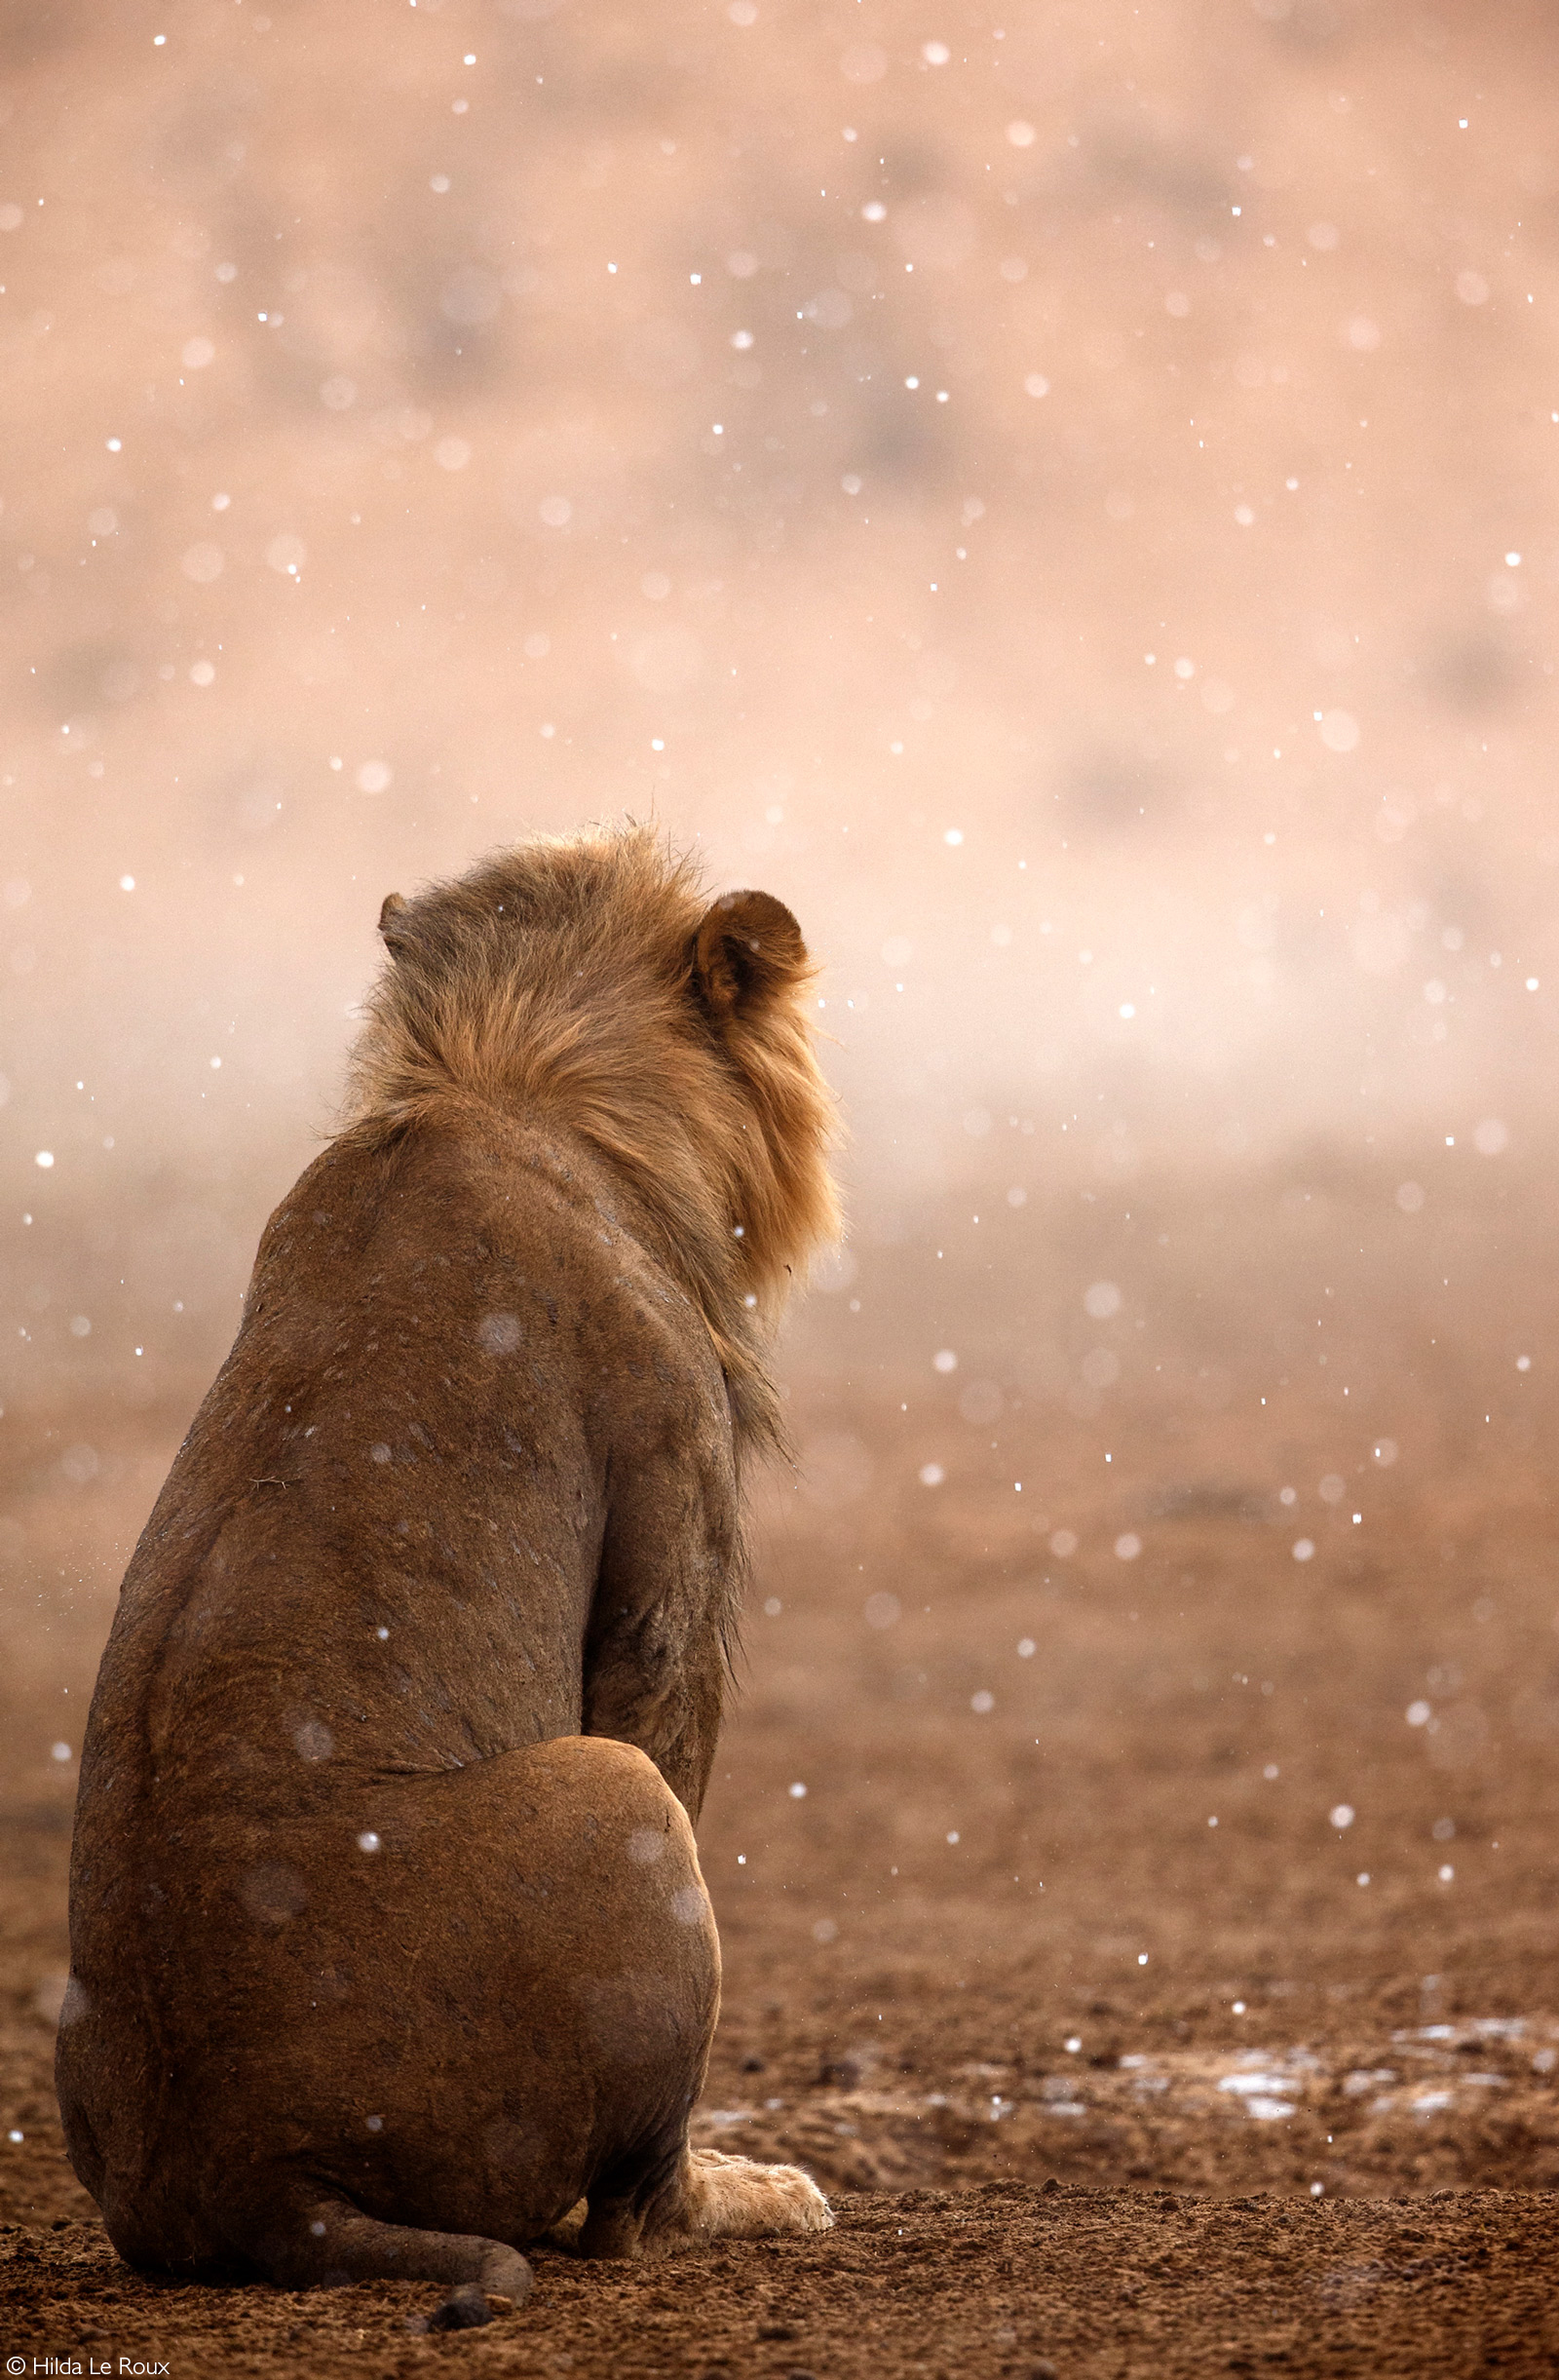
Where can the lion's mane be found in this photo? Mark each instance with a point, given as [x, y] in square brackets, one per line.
[568, 979]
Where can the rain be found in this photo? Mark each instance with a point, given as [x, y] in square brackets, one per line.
[1068, 507]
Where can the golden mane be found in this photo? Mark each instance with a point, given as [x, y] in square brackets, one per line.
[586, 983]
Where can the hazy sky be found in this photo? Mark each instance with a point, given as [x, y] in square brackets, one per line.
[1062, 496]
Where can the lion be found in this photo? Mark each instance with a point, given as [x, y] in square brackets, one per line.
[389, 1941]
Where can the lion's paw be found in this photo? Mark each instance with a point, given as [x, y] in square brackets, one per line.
[735, 2198]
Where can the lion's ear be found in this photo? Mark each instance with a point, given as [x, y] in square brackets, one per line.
[393, 907]
[746, 951]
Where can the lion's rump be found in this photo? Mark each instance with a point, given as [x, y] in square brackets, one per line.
[376, 1569]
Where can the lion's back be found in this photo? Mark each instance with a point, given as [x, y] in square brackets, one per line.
[446, 1348]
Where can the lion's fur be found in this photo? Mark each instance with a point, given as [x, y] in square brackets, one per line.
[553, 980]
[412, 1694]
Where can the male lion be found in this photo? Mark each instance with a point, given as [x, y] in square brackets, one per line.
[389, 1941]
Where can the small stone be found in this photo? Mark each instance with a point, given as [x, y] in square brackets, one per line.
[776, 2331]
[754, 2064]
[465, 2310]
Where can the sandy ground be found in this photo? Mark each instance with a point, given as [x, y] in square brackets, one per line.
[1295, 2076]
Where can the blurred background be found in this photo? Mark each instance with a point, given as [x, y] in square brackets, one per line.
[1063, 494]
[1064, 498]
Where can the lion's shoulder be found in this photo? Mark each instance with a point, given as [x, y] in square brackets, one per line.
[503, 1229]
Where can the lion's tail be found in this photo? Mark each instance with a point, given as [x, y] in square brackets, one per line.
[331, 2243]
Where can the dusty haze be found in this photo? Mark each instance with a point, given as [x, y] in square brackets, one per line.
[1063, 496]
[942, 463]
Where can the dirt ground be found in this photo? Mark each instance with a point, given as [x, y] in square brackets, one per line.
[1068, 505]
[1036, 2283]
[1131, 2090]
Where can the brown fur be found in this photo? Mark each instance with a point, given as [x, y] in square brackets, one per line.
[389, 1941]
[553, 982]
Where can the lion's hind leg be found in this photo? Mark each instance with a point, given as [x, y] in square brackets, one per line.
[736, 2198]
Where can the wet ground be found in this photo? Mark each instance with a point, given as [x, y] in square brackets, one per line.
[1137, 1890]
[1008, 2279]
